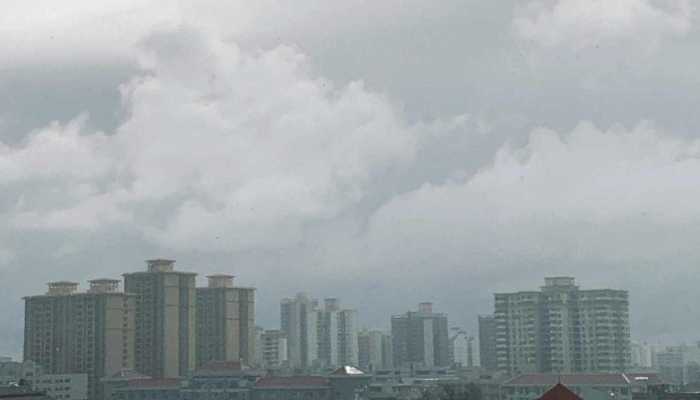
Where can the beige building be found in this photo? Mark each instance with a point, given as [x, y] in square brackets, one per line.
[165, 319]
[225, 327]
[67, 332]
[562, 329]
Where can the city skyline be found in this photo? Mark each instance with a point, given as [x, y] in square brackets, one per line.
[264, 322]
[380, 151]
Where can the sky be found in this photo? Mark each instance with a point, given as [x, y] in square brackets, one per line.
[383, 152]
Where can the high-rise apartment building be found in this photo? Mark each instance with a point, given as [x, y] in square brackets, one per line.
[461, 348]
[68, 332]
[374, 350]
[273, 346]
[679, 365]
[225, 328]
[337, 335]
[420, 338]
[298, 317]
[562, 329]
[165, 319]
[487, 342]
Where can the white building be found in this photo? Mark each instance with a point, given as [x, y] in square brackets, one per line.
[461, 350]
[274, 349]
[298, 317]
[337, 335]
[642, 355]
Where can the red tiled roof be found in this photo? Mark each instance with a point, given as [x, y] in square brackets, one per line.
[568, 379]
[155, 383]
[559, 392]
[291, 382]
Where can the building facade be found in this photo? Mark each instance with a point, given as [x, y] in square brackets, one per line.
[337, 335]
[225, 316]
[420, 338]
[165, 319]
[562, 329]
[273, 344]
[298, 318]
[461, 351]
[487, 342]
[374, 350]
[92, 333]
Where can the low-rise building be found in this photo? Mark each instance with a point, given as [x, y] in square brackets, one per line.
[588, 386]
[215, 380]
[292, 388]
[57, 386]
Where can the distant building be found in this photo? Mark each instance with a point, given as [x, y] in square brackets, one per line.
[461, 352]
[337, 335]
[298, 317]
[67, 332]
[273, 349]
[58, 386]
[225, 321]
[487, 342]
[641, 355]
[374, 350]
[679, 365]
[562, 329]
[165, 319]
[420, 338]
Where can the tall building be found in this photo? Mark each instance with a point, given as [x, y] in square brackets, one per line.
[461, 351]
[68, 332]
[337, 335]
[561, 329]
[679, 365]
[273, 344]
[487, 342]
[165, 319]
[298, 317]
[225, 328]
[642, 355]
[420, 338]
[374, 350]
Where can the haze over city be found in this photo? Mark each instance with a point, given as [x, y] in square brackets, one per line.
[384, 153]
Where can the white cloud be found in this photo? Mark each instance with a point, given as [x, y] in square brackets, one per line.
[233, 149]
[591, 196]
[586, 23]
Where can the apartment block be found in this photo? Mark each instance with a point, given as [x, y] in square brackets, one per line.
[337, 335]
[420, 338]
[273, 348]
[374, 350]
[298, 317]
[487, 342]
[165, 319]
[562, 329]
[225, 329]
[68, 332]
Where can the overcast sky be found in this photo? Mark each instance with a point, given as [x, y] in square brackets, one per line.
[384, 152]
